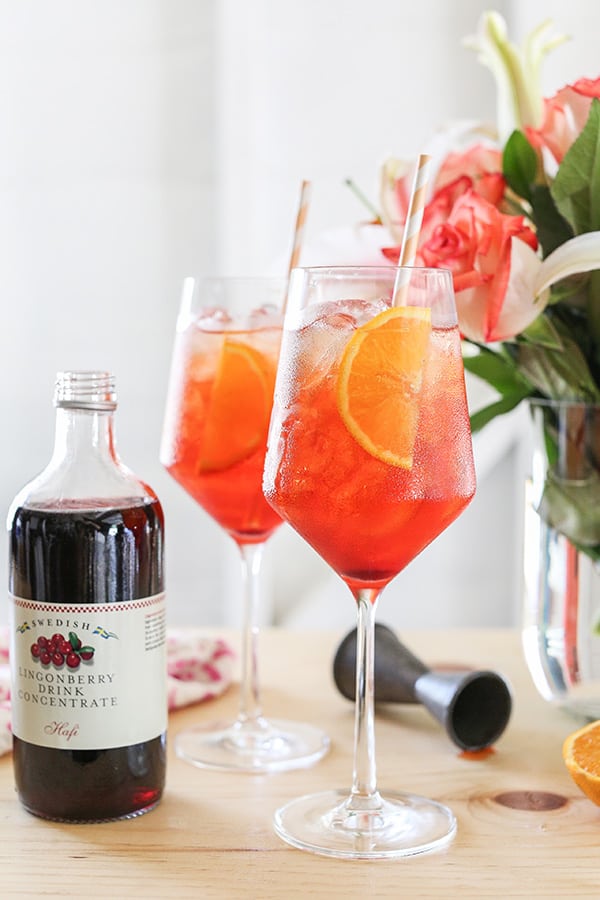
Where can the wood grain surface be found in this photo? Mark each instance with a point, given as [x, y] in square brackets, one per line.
[524, 829]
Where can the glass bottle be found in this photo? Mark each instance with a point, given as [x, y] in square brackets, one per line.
[87, 616]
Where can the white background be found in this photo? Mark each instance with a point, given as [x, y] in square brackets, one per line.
[145, 140]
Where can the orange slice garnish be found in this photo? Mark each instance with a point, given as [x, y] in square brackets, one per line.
[239, 406]
[379, 381]
[581, 754]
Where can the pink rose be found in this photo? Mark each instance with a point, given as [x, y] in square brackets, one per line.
[489, 186]
[438, 209]
[478, 168]
[482, 164]
[479, 245]
[565, 114]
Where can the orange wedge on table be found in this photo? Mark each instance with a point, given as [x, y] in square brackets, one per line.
[379, 381]
[239, 406]
[581, 754]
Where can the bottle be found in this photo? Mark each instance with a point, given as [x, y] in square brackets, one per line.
[87, 622]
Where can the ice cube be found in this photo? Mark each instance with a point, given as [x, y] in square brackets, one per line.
[213, 318]
[345, 314]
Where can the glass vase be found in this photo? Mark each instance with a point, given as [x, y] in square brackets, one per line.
[561, 627]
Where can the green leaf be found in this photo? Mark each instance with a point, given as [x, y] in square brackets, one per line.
[558, 374]
[519, 164]
[576, 188]
[506, 403]
[570, 500]
[571, 291]
[542, 332]
[498, 370]
[571, 507]
[594, 554]
[552, 228]
[594, 314]
[74, 641]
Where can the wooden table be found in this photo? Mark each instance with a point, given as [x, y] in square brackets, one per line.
[212, 834]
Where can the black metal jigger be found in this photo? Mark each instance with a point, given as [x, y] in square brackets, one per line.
[473, 706]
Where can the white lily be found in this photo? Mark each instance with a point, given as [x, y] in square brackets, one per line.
[528, 288]
[517, 70]
[580, 254]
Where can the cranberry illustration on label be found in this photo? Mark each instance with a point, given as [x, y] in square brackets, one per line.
[59, 651]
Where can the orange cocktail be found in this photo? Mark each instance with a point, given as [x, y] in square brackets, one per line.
[213, 444]
[224, 380]
[369, 511]
[369, 458]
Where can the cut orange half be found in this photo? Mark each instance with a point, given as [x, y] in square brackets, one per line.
[379, 380]
[581, 753]
[239, 406]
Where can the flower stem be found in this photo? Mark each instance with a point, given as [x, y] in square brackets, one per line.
[363, 199]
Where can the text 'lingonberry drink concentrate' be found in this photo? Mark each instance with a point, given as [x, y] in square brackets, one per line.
[87, 622]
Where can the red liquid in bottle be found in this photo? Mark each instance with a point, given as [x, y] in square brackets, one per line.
[88, 556]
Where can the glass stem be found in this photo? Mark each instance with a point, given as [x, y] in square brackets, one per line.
[364, 794]
[250, 712]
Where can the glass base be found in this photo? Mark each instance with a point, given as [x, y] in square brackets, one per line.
[263, 746]
[402, 825]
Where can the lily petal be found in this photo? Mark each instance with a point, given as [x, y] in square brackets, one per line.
[521, 305]
[580, 254]
[517, 71]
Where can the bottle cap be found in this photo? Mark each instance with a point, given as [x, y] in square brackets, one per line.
[85, 390]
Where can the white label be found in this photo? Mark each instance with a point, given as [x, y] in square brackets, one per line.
[111, 691]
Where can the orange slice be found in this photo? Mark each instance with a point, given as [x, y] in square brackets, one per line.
[380, 377]
[581, 753]
[239, 406]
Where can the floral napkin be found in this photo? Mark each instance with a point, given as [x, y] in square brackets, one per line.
[198, 668]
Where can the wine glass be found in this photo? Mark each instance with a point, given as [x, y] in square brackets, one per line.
[213, 444]
[369, 458]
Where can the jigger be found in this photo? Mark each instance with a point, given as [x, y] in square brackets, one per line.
[473, 706]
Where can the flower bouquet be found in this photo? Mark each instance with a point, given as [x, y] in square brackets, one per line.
[515, 216]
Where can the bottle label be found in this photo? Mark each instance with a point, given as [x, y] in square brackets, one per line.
[88, 677]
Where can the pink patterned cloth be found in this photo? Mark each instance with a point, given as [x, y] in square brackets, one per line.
[198, 668]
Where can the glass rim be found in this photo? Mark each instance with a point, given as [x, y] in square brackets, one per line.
[565, 403]
[238, 294]
[369, 267]
[232, 279]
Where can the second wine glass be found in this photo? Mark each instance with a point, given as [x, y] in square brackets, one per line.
[214, 441]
